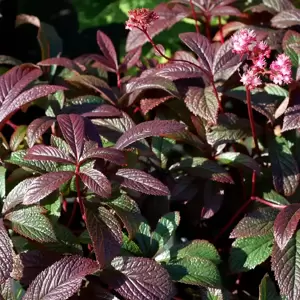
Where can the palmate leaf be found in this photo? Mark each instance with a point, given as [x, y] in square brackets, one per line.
[96, 182]
[257, 223]
[290, 40]
[37, 128]
[44, 185]
[285, 264]
[202, 103]
[102, 111]
[62, 62]
[142, 279]
[6, 254]
[72, 128]
[279, 5]
[284, 166]
[105, 232]
[286, 224]
[48, 153]
[203, 167]
[2, 182]
[292, 114]
[246, 253]
[141, 181]
[62, 279]
[129, 212]
[31, 223]
[147, 129]
[130, 59]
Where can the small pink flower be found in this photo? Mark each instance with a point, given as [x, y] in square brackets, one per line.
[281, 70]
[243, 41]
[250, 79]
[141, 18]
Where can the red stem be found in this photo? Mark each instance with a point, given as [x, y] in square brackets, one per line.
[207, 27]
[11, 124]
[77, 183]
[221, 30]
[118, 79]
[251, 119]
[210, 76]
[277, 206]
[194, 16]
[233, 218]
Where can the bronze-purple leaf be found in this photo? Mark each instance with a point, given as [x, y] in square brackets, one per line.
[105, 232]
[201, 46]
[72, 128]
[96, 182]
[62, 279]
[103, 111]
[44, 185]
[143, 182]
[130, 59]
[37, 128]
[111, 154]
[108, 50]
[10, 105]
[6, 254]
[48, 153]
[286, 18]
[286, 224]
[143, 279]
[16, 195]
[147, 129]
[62, 62]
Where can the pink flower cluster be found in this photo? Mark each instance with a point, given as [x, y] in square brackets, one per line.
[245, 42]
[141, 18]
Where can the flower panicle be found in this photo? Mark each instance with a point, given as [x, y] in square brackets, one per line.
[141, 18]
[245, 42]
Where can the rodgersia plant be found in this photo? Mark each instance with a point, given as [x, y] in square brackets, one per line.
[180, 182]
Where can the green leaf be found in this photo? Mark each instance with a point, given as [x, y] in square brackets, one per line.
[267, 289]
[195, 271]
[203, 167]
[286, 267]
[284, 167]
[31, 223]
[275, 198]
[128, 211]
[54, 206]
[130, 247]
[162, 147]
[17, 158]
[165, 229]
[60, 144]
[290, 40]
[2, 182]
[214, 294]
[85, 238]
[197, 248]
[247, 253]
[202, 103]
[237, 159]
[143, 238]
[257, 223]
[17, 137]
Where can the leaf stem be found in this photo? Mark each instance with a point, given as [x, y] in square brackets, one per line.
[118, 79]
[11, 124]
[77, 183]
[233, 218]
[195, 16]
[221, 29]
[251, 119]
[263, 201]
[172, 59]
[207, 27]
